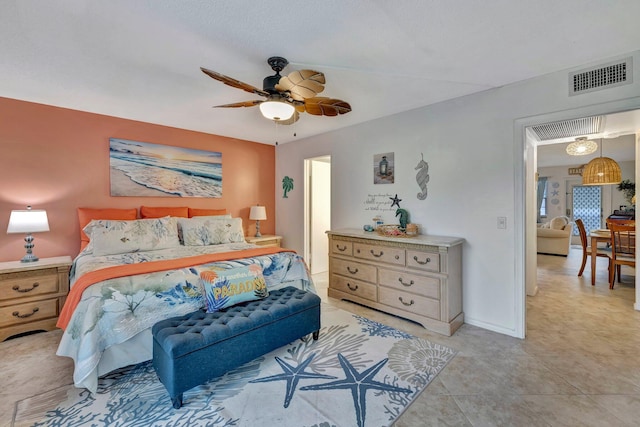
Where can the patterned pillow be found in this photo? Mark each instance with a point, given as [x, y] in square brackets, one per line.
[210, 230]
[224, 288]
[110, 237]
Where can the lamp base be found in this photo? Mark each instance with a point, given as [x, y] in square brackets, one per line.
[28, 245]
[29, 258]
[258, 229]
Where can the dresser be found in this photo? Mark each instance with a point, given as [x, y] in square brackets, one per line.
[32, 294]
[417, 278]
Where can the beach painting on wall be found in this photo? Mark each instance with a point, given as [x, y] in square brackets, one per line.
[142, 169]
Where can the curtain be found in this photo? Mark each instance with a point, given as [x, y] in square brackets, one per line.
[542, 184]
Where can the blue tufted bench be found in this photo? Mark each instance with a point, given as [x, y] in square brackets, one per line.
[194, 348]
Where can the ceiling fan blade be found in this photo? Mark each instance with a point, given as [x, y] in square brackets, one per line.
[323, 106]
[233, 82]
[241, 104]
[302, 84]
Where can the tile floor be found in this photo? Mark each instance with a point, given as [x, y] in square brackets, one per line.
[579, 366]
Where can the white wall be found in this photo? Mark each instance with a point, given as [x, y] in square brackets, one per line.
[476, 175]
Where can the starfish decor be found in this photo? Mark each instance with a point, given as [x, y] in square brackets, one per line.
[396, 201]
[358, 383]
[292, 375]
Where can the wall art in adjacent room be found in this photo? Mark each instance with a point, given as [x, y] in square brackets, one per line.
[142, 169]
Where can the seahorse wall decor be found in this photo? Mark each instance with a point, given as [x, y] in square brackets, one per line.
[422, 177]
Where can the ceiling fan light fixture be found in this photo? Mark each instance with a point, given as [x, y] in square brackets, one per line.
[277, 110]
[581, 146]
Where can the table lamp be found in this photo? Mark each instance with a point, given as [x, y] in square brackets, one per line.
[258, 213]
[28, 221]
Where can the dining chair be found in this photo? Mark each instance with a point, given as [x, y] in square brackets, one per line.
[623, 248]
[586, 249]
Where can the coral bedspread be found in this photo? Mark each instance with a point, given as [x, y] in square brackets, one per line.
[114, 310]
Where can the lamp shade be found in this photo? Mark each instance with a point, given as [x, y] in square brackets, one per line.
[28, 221]
[276, 110]
[601, 171]
[258, 213]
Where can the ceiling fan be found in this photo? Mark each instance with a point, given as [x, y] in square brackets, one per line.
[286, 96]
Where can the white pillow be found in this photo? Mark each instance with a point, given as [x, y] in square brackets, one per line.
[111, 237]
[210, 230]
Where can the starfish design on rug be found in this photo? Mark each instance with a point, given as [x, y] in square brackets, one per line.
[358, 383]
[292, 375]
[396, 201]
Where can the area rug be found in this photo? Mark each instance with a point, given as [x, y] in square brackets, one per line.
[358, 373]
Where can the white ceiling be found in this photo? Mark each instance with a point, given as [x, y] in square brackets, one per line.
[140, 59]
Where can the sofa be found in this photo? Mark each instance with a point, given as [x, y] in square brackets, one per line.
[554, 237]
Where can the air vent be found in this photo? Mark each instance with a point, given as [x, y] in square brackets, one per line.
[603, 76]
[570, 128]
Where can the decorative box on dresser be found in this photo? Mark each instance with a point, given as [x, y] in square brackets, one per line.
[418, 278]
[32, 294]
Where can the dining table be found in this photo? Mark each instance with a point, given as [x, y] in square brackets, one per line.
[597, 236]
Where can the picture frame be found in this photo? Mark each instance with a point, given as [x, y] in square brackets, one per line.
[383, 168]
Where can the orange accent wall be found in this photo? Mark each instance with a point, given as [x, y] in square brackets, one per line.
[58, 159]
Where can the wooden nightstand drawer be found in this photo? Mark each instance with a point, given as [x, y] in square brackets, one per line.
[265, 241]
[28, 312]
[379, 253]
[28, 284]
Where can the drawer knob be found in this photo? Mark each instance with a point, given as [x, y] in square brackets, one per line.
[17, 288]
[405, 283]
[415, 258]
[377, 255]
[354, 271]
[341, 249]
[406, 303]
[22, 316]
[354, 288]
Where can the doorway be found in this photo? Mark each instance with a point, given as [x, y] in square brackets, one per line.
[584, 202]
[317, 212]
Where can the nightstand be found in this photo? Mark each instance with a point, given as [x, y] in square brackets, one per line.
[265, 240]
[32, 294]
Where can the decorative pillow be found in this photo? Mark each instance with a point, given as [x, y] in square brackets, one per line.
[206, 212]
[160, 211]
[558, 222]
[110, 237]
[224, 288]
[210, 230]
[86, 215]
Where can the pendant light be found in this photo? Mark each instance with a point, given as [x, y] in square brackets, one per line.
[601, 171]
[581, 146]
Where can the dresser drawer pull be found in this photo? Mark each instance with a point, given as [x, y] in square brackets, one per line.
[341, 249]
[352, 271]
[415, 258]
[376, 255]
[22, 316]
[354, 288]
[404, 283]
[406, 303]
[17, 288]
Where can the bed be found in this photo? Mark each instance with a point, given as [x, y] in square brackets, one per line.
[134, 272]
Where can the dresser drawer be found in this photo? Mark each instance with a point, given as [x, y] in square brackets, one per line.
[27, 284]
[354, 287]
[379, 253]
[28, 312]
[427, 261]
[353, 269]
[421, 285]
[410, 302]
[341, 247]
